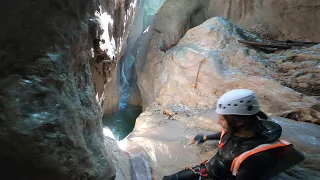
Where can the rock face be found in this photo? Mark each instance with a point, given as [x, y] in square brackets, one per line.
[176, 17]
[187, 60]
[120, 159]
[159, 37]
[142, 19]
[276, 19]
[113, 23]
[299, 70]
[182, 72]
[209, 61]
[50, 123]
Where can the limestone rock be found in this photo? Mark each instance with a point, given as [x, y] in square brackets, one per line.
[284, 19]
[111, 93]
[135, 96]
[184, 65]
[176, 17]
[120, 159]
[143, 18]
[141, 168]
[168, 112]
[115, 20]
[209, 61]
[50, 123]
[306, 114]
[298, 69]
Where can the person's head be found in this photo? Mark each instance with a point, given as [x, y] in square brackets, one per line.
[238, 110]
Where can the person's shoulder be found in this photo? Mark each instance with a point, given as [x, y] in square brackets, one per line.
[257, 164]
[268, 157]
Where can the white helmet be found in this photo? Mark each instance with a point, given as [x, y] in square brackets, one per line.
[238, 102]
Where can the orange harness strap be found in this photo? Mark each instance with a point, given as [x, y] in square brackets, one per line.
[221, 143]
[263, 147]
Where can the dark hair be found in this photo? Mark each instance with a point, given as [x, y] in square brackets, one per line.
[249, 121]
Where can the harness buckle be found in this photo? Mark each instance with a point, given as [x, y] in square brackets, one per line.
[200, 170]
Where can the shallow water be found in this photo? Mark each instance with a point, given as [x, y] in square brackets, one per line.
[122, 122]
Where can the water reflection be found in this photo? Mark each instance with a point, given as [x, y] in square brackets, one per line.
[122, 122]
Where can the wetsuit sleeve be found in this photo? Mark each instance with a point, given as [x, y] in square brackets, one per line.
[257, 165]
[214, 136]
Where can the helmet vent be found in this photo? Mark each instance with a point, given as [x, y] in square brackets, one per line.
[238, 102]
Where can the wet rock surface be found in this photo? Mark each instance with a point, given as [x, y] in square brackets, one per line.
[50, 123]
[120, 159]
[167, 140]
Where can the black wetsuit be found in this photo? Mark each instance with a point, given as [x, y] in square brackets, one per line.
[218, 167]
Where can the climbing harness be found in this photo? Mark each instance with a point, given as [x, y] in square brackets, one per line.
[200, 170]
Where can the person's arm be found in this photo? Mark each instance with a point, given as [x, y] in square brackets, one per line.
[255, 166]
[200, 138]
[213, 136]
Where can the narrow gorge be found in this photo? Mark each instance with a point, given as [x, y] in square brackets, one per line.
[115, 89]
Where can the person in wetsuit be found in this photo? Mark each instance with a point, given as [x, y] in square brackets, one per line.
[245, 128]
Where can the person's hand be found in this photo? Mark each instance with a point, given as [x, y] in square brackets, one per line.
[199, 139]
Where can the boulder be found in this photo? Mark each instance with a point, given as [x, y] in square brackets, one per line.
[275, 18]
[120, 159]
[209, 60]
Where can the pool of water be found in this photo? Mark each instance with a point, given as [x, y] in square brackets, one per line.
[122, 122]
